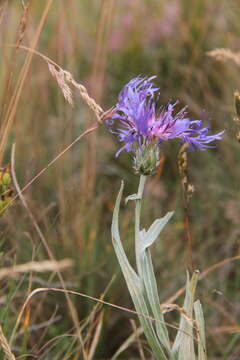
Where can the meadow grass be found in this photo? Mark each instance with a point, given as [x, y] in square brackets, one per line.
[65, 212]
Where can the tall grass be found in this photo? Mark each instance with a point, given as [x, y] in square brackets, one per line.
[103, 44]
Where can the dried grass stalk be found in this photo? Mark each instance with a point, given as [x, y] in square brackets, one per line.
[59, 75]
[96, 337]
[5, 346]
[64, 78]
[188, 188]
[224, 55]
[85, 96]
[42, 266]
[23, 23]
[167, 307]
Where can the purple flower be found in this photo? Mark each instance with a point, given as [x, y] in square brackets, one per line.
[140, 125]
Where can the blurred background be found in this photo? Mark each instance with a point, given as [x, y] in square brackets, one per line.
[103, 44]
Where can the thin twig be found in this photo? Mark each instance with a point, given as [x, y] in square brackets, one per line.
[58, 73]
[180, 291]
[40, 266]
[42, 171]
[139, 344]
[85, 323]
[96, 337]
[39, 290]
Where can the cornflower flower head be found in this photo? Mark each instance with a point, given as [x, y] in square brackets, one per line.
[142, 128]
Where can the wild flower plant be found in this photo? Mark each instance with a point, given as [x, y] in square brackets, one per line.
[6, 190]
[142, 129]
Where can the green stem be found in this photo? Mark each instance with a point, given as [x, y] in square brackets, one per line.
[138, 206]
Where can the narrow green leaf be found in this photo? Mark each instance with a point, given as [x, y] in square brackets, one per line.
[134, 284]
[184, 342]
[148, 277]
[202, 352]
[143, 240]
[153, 299]
[154, 231]
[151, 290]
[128, 272]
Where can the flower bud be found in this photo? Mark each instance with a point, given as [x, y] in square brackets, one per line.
[146, 160]
[6, 191]
[6, 178]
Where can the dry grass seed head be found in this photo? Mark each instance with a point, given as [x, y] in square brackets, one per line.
[182, 168]
[59, 75]
[64, 78]
[23, 23]
[5, 346]
[224, 55]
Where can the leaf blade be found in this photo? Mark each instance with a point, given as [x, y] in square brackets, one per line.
[202, 351]
[134, 284]
[154, 231]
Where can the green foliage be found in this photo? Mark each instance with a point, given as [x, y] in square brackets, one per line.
[73, 200]
[144, 292]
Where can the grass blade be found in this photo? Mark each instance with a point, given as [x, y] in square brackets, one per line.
[202, 351]
[184, 342]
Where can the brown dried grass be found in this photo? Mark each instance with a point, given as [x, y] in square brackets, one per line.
[14, 100]
[5, 346]
[37, 266]
[225, 55]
